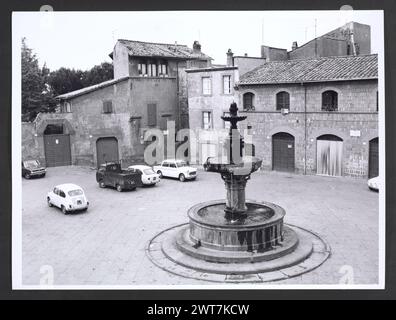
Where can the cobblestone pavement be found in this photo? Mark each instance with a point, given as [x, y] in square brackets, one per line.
[106, 245]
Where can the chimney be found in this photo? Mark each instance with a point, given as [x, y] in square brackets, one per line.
[230, 60]
[246, 54]
[196, 47]
[294, 46]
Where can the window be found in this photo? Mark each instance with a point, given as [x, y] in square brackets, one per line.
[66, 107]
[207, 120]
[152, 70]
[206, 86]
[107, 106]
[226, 84]
[165, 164]
[172, 165]
[62, 194]
[248, 98]
[163, 68]
[142, 68]
[282, 100]
[329, 101]
[152, 114]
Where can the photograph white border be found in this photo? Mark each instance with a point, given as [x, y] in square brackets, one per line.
[17, 194]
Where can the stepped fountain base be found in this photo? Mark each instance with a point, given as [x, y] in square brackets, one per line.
[257, 248]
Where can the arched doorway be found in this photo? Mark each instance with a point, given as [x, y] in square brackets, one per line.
[283, 152]
[56, 146]
[373, 163]
[329, 155]
[106, 150]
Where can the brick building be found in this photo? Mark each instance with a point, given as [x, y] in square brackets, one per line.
[107, 121]
[314, 116]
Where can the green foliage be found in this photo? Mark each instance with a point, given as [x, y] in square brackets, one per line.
[40, 86]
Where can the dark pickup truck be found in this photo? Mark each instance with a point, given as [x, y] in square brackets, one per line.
[112, 175]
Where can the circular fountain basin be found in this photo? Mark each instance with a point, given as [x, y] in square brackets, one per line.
[257, 235]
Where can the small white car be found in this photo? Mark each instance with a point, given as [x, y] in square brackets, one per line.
[174, 168]
[68, 197]
[374, 183]
[148, 176]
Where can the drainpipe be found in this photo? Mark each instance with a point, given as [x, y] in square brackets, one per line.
[305, 128]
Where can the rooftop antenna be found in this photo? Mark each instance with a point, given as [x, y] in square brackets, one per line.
[316, 42]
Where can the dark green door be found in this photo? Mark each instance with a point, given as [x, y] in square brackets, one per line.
[283, 152]
[57, 150]
[106, 150]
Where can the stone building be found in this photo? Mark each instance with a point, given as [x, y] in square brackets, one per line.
[314, 116]
[350, 39]
[210, 92]
[107, 121]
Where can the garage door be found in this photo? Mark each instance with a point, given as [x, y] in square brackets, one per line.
[329, 155]
[57, 150]
[283, 152]
[106, 150]
[373, 158]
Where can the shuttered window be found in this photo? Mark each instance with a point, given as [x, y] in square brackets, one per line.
[152, 114]
[226, 84]
[107, 106]
[206, 86]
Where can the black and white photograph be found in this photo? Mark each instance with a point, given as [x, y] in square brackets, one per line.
[198, 149]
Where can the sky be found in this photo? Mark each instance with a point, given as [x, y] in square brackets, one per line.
[81, 40]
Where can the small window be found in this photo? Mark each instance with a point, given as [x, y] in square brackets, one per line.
[163, 68]
[165, 164]
[107, 106]
[207, 120]
[66, 107]
[226, 84]
[56, 191]
[172, 165]
[329, 101]
[62, 194]
[206, 86]
[282, 100]
[248, 100]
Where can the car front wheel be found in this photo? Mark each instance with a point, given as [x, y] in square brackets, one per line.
[182, 177]
[119, 188]
[102, 184]
[49, 202]
[27, 175]
[64, 211]
[160, 173]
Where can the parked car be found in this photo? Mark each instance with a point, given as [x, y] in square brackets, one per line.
[32, 168]
[112, 175]
[374, 184]
[68, 197]
[148, 176]
[207, 163]
[176, 169]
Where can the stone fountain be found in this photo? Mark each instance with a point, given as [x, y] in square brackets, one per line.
[236, 236]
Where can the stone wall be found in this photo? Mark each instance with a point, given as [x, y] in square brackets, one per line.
[357, 115]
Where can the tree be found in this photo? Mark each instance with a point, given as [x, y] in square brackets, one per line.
[65, 80]
[98, 74]
[33, 83]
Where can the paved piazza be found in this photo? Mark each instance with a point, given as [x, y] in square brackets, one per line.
[106, 245]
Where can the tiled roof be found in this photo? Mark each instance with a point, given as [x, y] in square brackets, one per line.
[148, 49]
[314, 70]
[85, 90]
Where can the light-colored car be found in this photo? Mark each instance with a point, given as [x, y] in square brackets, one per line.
[148, 176]
[68, 197]
[174, 168]
[374, 183]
